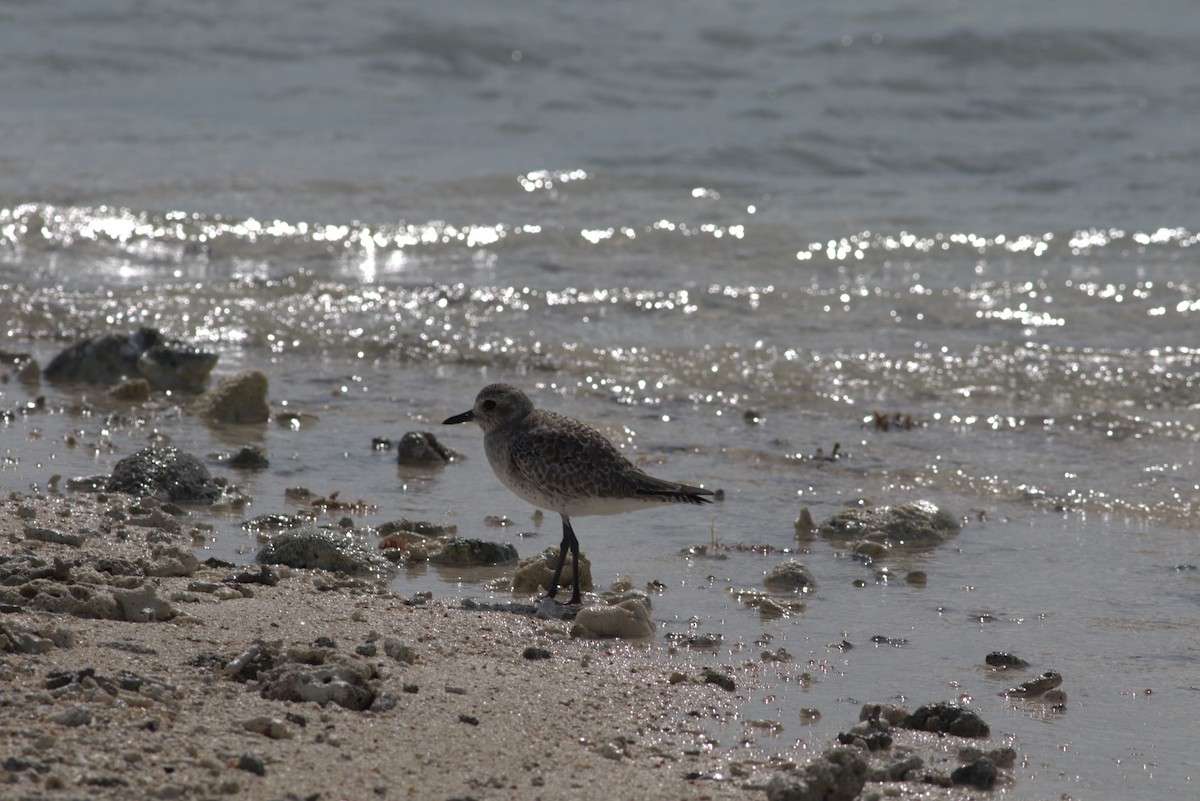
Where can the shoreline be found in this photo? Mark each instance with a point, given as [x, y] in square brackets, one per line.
[193, 686]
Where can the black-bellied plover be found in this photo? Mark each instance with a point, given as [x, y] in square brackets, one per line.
[564, 466]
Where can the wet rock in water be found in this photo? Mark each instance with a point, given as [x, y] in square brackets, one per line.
[894, 714]
[999, 659]
[981, 773]
[534, 573]
[770, 608]
[626, 620]
[421, 448]
[1003, 757]
[1056, 697]
[27, 370]
[134, 390]
[420, 527]
[240, 398]
[462, 552]
[790, 575]
[919, 524]
[165, 473]
[146, 354]
[947, 718]
[839, 774]
[804, 525]
[250, 458]
[274, 522]
[1049, 680]
[318, 548]
[873, 731]
[696, 639]
[722, 680]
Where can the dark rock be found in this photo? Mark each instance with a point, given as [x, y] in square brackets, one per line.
[274, 522]
[146, 353]
[252, 763]
[981, 773]
[1037, 686]
[474, 552]
[266, 575]
[722, 680]
[250, 458]
[1002, 660]
[166, 474]
[947, 718]
[133, 390]
[421, 527]
[422, 449]
[874, 741]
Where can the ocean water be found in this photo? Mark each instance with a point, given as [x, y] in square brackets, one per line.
[727, 234]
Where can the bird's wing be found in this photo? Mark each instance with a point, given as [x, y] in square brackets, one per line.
[573, 459]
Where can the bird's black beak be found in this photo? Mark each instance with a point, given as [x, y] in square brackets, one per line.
[465, 417]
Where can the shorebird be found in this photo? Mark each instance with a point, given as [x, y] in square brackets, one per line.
[562, 465]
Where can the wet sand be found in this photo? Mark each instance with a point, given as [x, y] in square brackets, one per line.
[162, 700]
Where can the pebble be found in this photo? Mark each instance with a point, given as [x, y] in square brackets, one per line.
[273, 728]
[252, 763]
[400, 651]
[74, 716]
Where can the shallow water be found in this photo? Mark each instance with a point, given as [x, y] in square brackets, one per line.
[671, 225]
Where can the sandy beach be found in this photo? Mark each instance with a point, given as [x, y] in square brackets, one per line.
[172, 687]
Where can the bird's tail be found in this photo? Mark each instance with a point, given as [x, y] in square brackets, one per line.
[670, 492]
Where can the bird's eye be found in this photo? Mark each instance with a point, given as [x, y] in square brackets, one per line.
[489, 405]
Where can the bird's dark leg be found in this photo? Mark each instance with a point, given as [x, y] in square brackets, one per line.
[575, 597]
[562, 558]
[568, 543]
